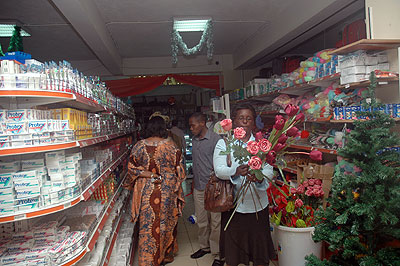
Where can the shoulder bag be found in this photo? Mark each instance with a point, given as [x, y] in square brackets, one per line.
[218, 195]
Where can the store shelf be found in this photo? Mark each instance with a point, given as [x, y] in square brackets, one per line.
[380, 80]
[367, 44]
[60, 146]
[53, 99]
[353, 120]
[319, 120]
[311, 148]
[97, 230]
[66, 204]
[89, 191]
[36, 149]
[300, 89]
[112, 243]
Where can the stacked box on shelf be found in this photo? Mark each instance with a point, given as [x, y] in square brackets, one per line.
[357, 66]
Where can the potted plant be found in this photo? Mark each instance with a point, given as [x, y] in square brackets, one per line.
[292, 215]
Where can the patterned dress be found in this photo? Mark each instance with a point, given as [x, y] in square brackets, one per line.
[156, 206]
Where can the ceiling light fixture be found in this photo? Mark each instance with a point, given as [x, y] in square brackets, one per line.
[7, 28]
[182, 25]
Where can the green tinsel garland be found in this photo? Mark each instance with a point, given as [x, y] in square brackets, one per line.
[177, 41]
[1, 51]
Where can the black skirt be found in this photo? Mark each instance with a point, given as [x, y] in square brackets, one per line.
[246, 238]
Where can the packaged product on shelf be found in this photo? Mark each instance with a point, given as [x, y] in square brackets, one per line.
[9, 167]
[28, 174]
[31, 164]
[6, 180]
[27, 193]
[6, 193]
[16, 128]
[19, 115]
[4, 142]
[37, 126]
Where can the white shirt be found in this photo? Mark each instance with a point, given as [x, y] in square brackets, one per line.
[222, 171]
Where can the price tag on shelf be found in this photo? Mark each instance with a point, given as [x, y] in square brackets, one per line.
[67, 205]
[20, 216]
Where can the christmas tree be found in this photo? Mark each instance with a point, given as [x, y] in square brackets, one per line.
[361, 223]
[16, 41]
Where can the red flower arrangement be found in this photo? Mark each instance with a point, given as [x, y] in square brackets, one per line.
[262, 150]
[295, 207]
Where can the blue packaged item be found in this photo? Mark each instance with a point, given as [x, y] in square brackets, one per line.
[348, 112]
[354, 110]
[192, 219]
[341, 113]
[389, 109]
[17, 56]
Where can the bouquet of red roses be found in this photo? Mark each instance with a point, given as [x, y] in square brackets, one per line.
[265, 150]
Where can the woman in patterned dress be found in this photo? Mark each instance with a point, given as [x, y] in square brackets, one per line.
[155, 176]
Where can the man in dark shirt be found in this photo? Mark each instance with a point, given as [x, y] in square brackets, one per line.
[209, 223]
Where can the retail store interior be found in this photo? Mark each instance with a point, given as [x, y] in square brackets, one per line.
[81, 79]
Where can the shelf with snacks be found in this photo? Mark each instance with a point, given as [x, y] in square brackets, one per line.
[58, 146]
[92, 237]
[368, 44]
[80, 193]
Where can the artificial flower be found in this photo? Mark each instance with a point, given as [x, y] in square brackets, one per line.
[300, 117]
[255, 163]
[282, 139]
[270, 158]
[316, 155]
[252, 147]
[292, 132]
[291, 110]
[259, 136]
[264, 145]
[226, 124]
[298, 203]
[239, 133]
[278, 147]
[279, 122]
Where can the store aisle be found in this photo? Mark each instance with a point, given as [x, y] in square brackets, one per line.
[187, 237]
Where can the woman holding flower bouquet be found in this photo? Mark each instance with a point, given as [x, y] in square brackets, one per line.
[247, 236]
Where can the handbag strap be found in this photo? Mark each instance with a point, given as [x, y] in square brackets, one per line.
[228, 156]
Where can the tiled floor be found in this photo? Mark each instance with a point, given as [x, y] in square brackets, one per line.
[187, 237]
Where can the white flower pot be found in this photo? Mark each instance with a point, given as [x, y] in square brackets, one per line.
[293, 244]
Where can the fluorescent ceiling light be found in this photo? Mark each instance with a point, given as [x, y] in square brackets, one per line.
[6, 30]
[190, 25]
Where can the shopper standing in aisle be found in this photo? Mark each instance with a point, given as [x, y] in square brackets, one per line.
[247, 237]
[209, 223]
[155, 176]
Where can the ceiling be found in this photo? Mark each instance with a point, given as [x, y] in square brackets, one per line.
[107, 33]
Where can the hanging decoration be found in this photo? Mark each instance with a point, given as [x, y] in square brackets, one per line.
[206, 37]
[16, 41]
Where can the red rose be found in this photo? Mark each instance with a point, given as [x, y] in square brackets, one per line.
[259, 135]
[270, 158]
[291, 110]
[316, 155]
[239, 132]
[278, 147]
[298, 203]
[292, 132]
[282, 139]
[255, 163]
[279, 122]
[226, 124]
[300, 117]
[264, 145]
[252, 147]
